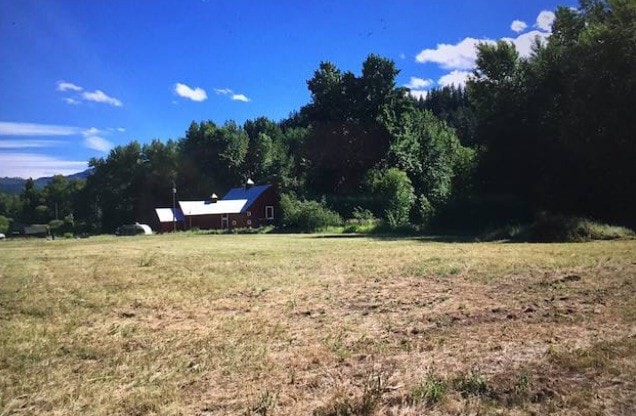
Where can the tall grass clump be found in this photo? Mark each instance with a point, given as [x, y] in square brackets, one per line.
[430, 390]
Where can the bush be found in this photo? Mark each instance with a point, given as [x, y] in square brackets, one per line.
[306, 216]
[396, 190]
[550, 228]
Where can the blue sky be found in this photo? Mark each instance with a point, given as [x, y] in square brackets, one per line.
[79, 77]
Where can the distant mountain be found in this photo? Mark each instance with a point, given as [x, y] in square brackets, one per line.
[16, 185]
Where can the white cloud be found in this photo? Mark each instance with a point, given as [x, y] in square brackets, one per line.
[416, 83]
[25, 165]
[68, 86]
[8, 128]
[459, 56]
[97, 96]
[417, 94]
[518, 26]
[462, 55]
[98, 143]
[524, 42]
[233, 96]
[100, 96]
[240, 97]
[91, 132]
[25, 144]
[196, 94]
[457, 78]
[545, 20]
[121, 129]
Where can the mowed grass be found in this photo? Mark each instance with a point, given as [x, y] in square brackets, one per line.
[323, 325]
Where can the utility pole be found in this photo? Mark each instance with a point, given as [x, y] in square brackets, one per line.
[174, 206]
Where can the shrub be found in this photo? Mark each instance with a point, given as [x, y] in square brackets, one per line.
[306, 216]
[362, 215]
[424, 210]
[4, 224]
[517, 232]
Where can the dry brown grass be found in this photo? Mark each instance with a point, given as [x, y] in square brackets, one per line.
[288, 324]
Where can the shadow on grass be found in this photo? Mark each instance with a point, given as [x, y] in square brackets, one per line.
[401, 237]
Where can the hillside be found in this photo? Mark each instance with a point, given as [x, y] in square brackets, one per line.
[16, 185]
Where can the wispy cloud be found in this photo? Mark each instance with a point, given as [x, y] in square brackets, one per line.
[68, 86]
[93, 139]
[518, 26]
[25, 165]
[234, 97]
[100, 96]
[195, 94]
[8, 128]
[97, 96]
[98, 143]
[92, 136]
[29, 143]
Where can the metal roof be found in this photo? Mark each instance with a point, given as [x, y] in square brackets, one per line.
[165, 215]
[207, 207]
[249, 194]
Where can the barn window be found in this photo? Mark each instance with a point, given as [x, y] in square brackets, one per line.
[269, 212]
[249, 222]
[233, 222]
[249, 213]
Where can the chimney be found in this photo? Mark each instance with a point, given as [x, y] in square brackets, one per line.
[214, 198]
[249, 183]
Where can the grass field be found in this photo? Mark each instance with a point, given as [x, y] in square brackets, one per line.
[323, 325]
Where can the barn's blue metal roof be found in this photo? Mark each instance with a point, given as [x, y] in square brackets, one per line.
[251, 194]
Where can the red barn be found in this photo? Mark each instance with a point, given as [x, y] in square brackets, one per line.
[249, 206]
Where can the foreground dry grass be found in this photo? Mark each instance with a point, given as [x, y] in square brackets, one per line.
[286, 324]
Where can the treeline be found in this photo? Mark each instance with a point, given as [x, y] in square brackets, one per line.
[554, 132]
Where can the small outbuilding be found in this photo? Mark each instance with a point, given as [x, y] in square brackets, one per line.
[30, 230]
[245, 207]
[169, 219]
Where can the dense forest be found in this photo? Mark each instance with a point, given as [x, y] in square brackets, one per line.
[554, 133]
